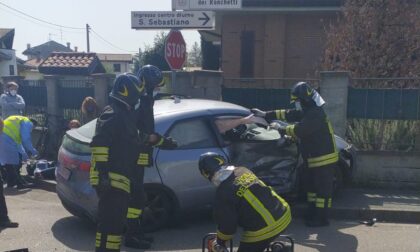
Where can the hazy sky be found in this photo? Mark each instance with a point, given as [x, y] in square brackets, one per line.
[111, 20]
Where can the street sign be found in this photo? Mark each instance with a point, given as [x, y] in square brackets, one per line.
[175, 50]
[206, 4]
[172, 19]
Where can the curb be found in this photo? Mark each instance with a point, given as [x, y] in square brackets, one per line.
[358, 214]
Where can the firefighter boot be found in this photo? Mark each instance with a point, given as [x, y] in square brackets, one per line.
[320, 219]
[134, 237]
[310, 211]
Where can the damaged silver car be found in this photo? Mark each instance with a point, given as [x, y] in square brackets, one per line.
[174, 184]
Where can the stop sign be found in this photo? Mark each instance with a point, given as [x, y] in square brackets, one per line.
[175, 50]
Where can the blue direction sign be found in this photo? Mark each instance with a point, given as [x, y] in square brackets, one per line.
[172, 20]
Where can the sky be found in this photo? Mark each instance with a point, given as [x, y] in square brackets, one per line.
[110, 22]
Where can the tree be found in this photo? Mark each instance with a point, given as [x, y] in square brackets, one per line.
[194, 56]
[155, 55]
[375, 38]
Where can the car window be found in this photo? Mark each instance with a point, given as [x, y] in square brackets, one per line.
[193, 134]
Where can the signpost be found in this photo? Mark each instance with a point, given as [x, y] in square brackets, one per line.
[172, 20]
[175, 52]
[206, 4]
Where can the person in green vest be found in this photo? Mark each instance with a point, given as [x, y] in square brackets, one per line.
[15, 147]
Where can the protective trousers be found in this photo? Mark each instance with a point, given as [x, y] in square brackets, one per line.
[137, 201]
[319, 182]
[112, 212]
[3, 207]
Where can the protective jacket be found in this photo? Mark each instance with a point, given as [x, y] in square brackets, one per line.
[146, 125]
[244, 200]
[115, 147]
[315, 132]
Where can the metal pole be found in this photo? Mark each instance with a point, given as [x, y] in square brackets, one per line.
[173, 76]
[87, 37]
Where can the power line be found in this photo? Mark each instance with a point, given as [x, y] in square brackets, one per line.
[109, 43]
[37, 22]
[40, 20]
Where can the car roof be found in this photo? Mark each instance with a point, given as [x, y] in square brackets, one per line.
[170, 106]
[167, 107]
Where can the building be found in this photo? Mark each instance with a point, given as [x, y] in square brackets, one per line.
[8, 65]
[116, 63]
[272, 39]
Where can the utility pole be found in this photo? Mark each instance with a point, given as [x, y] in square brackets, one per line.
[87, 37]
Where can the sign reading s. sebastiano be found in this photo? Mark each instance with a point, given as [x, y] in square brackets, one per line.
[172, 19]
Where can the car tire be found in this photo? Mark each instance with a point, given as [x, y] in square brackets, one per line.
[159, 208]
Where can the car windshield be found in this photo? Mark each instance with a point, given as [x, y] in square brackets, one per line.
[233, 129]
[84, 133]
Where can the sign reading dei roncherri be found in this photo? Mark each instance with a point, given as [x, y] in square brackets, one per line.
[206, 4]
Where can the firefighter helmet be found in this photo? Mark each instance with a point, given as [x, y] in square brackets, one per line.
[127, 89]
[151, 77]
[302, 91]
[210, 163]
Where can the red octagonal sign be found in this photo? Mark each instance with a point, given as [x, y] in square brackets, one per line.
[175, 50]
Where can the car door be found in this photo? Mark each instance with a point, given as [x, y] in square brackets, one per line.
[179, 168]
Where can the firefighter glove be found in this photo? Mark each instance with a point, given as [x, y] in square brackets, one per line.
[169, 144]
[280, 128]
[214, 246]
[258, 112]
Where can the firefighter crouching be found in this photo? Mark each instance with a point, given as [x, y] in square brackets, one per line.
[151, 78]
[243, 200]
[317, 144]
[114, 156]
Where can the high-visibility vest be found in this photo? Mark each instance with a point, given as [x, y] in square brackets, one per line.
[12, 127]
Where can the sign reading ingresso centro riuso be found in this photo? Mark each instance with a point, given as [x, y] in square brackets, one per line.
[206, 4]
[172, 19]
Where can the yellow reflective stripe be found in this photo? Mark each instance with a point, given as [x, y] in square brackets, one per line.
[281, 114]
[283, 202]
[293, 98]
[290, 130]
[259, 207]
[98, 236]
[323, 160]
[223, 236]
[119, 181]
[114, 238]
[100, 158]
[100, 150]
[311, 197]
[111, 245]
[98, 244]
[133, 213]
[269, 231]
[160, 141]
[320, 202]
[143, 159]
[329, 202]
[330, 129]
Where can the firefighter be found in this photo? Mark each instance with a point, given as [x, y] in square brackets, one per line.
[243, 200]
[151, 77]
[317, 144]
[114, 157]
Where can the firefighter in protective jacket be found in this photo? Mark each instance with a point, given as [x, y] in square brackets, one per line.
[243, 200]
[114, 156]
[317, 144]
[151, 78]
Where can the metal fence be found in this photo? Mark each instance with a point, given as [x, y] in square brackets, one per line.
[34, 93]
[71, 94]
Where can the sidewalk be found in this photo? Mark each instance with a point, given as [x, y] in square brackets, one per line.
[386, 205]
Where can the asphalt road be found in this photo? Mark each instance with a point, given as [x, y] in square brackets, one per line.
[46, 226]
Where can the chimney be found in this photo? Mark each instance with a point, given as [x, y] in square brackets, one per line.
[28, 46]
[68, 45]
[75, 48]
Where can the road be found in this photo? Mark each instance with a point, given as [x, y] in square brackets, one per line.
[46, 226]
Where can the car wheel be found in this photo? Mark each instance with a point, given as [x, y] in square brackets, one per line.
[159, 209]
